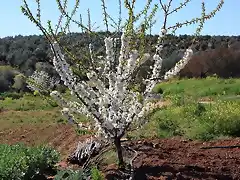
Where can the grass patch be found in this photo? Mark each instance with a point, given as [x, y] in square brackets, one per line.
[26, 103]
[34, 110]
[10, 119]
[21, 117]
[199, 121]
[190, 119]
[184, 117]
[197, 88]
[109, 157]
[149, 130]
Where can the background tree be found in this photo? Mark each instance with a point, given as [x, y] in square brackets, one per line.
[7, 74]
[19, 82]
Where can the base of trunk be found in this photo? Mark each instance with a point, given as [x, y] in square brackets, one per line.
[117, 143]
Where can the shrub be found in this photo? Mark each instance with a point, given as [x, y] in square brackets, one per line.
[21, 162]
[7, 74]
[19, 82]
[70, 175]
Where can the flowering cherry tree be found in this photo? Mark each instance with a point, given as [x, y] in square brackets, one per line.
[112, 105]
[40, 81]
[106, 97]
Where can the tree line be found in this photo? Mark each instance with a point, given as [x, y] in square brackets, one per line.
[20, 56]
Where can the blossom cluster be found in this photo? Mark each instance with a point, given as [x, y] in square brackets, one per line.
[179, 65]
[106, 97]
[70, 107]
[42, 82]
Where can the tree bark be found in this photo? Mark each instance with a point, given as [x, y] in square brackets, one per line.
[117, 143]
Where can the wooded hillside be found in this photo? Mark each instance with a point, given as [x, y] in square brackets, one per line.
[218, 55]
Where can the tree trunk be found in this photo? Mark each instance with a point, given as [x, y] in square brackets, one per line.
[117, 143]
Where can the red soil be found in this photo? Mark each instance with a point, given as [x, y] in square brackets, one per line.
[179, 159]
[157, 159]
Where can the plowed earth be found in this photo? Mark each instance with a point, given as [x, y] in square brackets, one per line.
[173, 158]
[60, 136]
[180, 159]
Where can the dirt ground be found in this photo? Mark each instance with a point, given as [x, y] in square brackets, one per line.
[181, 159]
[60, 136]
[173, 158]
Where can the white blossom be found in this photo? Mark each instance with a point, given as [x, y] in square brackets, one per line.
[106, 97]
[180, 65]
[42, 82]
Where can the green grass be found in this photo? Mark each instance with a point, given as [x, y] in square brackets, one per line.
[197, 88]
[195, 121]
[27, 103]
[187, 118]
[21, 117]
[31, 109]
[109, 157]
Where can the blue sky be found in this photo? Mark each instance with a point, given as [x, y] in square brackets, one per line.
[13, 22]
